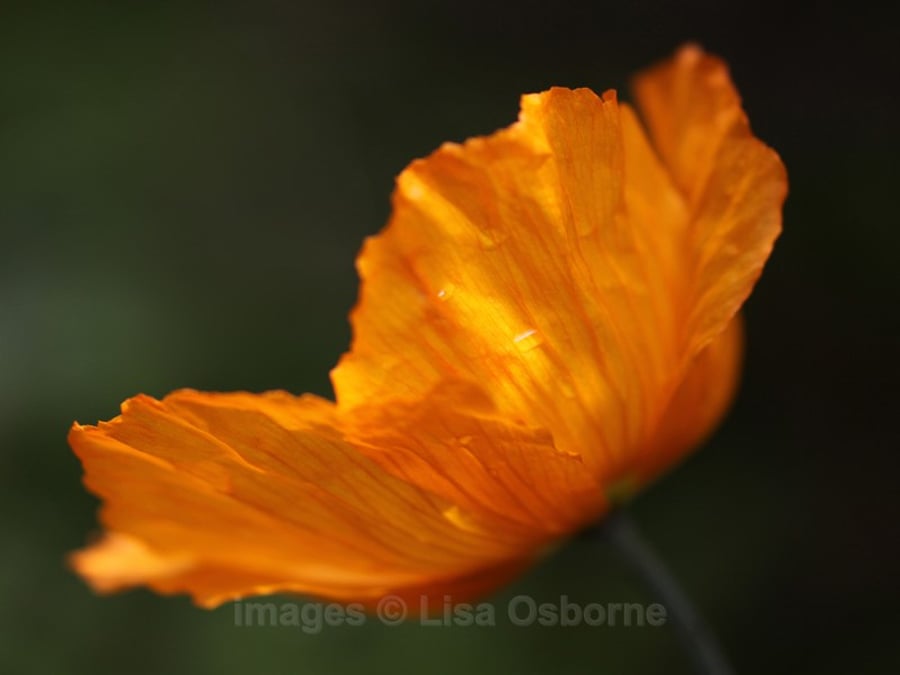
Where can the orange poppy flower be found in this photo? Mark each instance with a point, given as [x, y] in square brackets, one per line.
[548, 321]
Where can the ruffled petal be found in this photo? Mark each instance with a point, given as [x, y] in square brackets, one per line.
[221, 495]
[733, 183]
[512, 261]
[570, 266]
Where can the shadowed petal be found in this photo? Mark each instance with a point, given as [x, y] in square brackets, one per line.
[697, 406]
[479, 461]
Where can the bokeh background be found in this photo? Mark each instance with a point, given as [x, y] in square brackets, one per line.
[183, 189]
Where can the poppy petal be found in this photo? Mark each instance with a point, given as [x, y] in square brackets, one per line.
[224, 494]
[510, 261]
[734, 184]
[568, 268]
[120, 561]
[479, 461]
[697, 406]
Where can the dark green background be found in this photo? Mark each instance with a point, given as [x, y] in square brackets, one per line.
[183, 189]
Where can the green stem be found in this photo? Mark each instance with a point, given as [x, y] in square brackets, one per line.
[696, 637]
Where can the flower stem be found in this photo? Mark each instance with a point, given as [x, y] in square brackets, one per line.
[696, 637]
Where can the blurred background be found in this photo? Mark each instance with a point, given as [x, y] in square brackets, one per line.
[184, 187]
